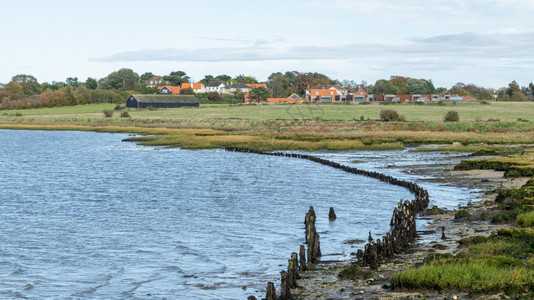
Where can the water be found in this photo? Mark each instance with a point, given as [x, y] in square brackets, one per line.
[84, 215]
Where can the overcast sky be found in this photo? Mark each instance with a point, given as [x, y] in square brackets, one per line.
[485, 42]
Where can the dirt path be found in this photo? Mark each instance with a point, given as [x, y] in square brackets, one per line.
[323, 282]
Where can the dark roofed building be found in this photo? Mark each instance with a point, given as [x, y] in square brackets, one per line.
[161, 101]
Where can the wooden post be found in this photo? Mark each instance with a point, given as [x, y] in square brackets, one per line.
[271, 292]
[332, 214]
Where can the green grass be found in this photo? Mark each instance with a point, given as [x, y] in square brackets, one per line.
[300, 126]
[469, 112]
[500, 262]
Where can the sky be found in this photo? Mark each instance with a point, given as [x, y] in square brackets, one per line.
[485, 42]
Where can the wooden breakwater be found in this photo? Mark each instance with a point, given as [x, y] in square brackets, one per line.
[402, 233]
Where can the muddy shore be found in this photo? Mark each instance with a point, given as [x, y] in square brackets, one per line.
[323, 282]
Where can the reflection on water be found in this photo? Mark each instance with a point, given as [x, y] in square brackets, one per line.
[86, 215]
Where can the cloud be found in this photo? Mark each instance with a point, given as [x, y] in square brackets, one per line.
[470, 48]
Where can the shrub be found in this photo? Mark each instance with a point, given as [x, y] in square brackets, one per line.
[119, 107]
[108, 113]
[125, 114]
[461, 214]
[452, 116]
[388, 115]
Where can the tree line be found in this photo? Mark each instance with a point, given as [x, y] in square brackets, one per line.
[24, 91]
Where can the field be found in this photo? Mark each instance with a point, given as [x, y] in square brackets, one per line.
[296, 126]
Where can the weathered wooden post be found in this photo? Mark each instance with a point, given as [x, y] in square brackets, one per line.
[285, 293]
[332, 214]
[271, 292]
[302, 258]
[292, 270]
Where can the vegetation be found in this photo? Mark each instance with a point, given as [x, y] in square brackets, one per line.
[501, 262]
[452, 116]
[519, 165]
[308, 126]
[388, 115]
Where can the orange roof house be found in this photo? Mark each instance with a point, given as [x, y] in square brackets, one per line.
[168, 90]
[196, 87]
[256, 85]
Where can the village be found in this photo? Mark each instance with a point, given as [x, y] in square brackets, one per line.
[176, 96]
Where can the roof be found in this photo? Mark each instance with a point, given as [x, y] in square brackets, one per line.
[215, 84]
[256, 85]
[151, 98]
[189, 85]
[294, 96]
[175, 90]
[239, 86]
[326, 87]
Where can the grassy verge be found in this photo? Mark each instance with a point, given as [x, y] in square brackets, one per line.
[501, 262]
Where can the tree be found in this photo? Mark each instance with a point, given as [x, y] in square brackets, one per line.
[14, 88]
[223, 78]
[419, 86]
[146, 76]
[123, 79]
[245, 79]
[259, 94]
[207, 79]
[383, 86]
[278, 84]
[214, 96]
[91, 83]
[30, 85]
[176, 78]
[187, 92]
[72, 81]
[512, 93]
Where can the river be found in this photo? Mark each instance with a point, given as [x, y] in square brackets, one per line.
[85, 215]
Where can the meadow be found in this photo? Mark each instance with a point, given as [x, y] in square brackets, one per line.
[296, 126]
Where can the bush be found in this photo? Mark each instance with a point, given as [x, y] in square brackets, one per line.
[125, 114]
[108, 113]
[461, 214]
[389, 115]
[452, 116]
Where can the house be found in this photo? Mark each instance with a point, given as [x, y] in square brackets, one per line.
[155, 81]
[256, 85]
[469, 98]
[234, 87]
[168, 90]
[218, 87]
[326, 93]
[161, 101]
[196, 87]
[360, 95]
[294, 97]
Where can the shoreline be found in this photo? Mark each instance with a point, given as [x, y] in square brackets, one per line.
[323, 282]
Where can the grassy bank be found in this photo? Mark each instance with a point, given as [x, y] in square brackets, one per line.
[297, 126]
[500, 262]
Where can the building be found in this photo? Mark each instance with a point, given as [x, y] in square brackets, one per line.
[360, 95]
[155, 81]
[256, 85]
[161, 101]
[234, 87]
[168, 90]
[326, 93]
[196, 87]
[218, 87]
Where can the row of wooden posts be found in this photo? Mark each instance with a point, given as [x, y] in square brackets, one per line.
[402, 234]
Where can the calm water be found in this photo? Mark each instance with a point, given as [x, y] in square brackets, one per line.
[84, 215]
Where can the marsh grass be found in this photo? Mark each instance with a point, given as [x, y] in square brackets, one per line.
[500, 262]
[304, 127]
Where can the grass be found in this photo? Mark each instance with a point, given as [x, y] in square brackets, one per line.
[500, 262]
[300, 126]
[519, 165]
